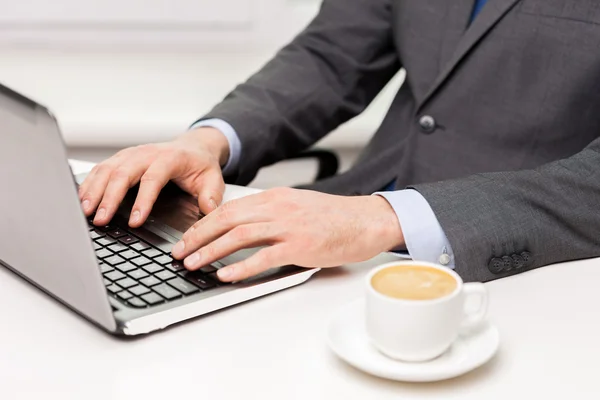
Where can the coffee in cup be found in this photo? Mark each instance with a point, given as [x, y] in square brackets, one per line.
[415, 310]
[409, 282]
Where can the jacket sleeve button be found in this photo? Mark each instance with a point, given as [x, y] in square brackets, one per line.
[518, 261]
[496, 265]
[527, 258]
[507, 263]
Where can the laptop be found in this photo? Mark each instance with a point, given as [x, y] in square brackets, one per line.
[123, 280]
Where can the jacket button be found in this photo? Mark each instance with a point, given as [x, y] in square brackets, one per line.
[527, 258]
[427, 124]
[507, 263]
[518, 261]
[496, 265]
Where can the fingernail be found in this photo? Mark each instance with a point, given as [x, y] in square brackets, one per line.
[179, 248]
[225, 273]
[213, 203]
[135, 217]
[101, 214]
[85, 205]
[192, 261]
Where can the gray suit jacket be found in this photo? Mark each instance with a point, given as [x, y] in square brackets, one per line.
[516, 89]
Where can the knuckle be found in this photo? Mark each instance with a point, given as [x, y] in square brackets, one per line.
[146, 148]
[281, 191]
[120, 173]
[148, 178]
[173, 153]
[102, 168]
[241, 233]
[211, 252]
[226, 212]
[265, 258]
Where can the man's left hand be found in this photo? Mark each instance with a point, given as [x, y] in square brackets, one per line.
[299, 227]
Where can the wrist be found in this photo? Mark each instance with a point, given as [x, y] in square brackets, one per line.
[384, 224]
[210, 138]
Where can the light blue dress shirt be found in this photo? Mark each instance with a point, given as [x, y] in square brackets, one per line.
[425, 239]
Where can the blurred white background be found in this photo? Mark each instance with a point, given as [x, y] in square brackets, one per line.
[122, 72]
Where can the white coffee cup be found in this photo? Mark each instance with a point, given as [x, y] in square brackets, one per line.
[421, 330]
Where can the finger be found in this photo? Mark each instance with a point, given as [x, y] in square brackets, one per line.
[95, 190]
[151, 183]
[121, 180]
[91, 176]
[241, 237]
[86, 183]
[263, 260]
[210, 190]
[216, 224]
[259, 200]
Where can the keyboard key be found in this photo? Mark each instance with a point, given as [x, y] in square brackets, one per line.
[175, 266]
[117, 247]
[106, 241]
[139, 290]
[182, 286]
[116, 233]
[114, 289]
[200, 280]
[114, 260]
[163, 260]
[103, 253]
[96, 246]
[151, 253]
[150, 281]
[129, 254]
[140, 246]
[166, 291]
[141, 261]
[107, 282]
[136, 302]
[165, 275]
[138, 274]
[128, 240]
[104, 268]
[124, 295]
[125, 267]
[153, 268]
[104, 228]
[208, 269]
[114, 275]
[126, 283]
[96, 234]
[152, 298]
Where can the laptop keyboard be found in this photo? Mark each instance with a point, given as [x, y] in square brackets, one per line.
[140, 275]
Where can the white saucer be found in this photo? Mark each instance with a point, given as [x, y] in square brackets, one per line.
[348, 338]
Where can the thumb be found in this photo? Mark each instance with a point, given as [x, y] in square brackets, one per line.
[210, 194]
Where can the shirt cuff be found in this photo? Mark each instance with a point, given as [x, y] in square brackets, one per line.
[235, 145]
[424, 237]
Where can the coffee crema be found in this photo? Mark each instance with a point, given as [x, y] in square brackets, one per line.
[413, 282]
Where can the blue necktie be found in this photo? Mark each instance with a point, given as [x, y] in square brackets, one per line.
[476, 9]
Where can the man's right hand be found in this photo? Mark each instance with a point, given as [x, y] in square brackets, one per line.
[192, 161]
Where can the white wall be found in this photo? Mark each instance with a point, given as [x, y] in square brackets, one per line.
[116, 72]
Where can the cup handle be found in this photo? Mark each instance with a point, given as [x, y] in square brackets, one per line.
[474, 319]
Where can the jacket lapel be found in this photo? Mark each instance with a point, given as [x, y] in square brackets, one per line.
[457, 17]
[491, 13]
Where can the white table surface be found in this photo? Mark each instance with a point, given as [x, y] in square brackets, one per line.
[274, 347]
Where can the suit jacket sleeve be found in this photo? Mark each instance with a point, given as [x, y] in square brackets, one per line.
[328, 74]
[551, 213]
